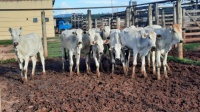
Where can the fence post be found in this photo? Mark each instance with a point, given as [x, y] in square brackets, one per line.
[156, 13]
[95, 23]
[127, 20]
[102, 23]
[89, 19]
[174, 15]
[179, 12]
[163, 18]
[150, 15]
[118, 23]
[183, 25]
[109, 22]
[134, 3]
[44, 33]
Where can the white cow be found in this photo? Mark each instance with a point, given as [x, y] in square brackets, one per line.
[149, 29]
[140, 43]
[116, 49]
[25, 47]
[97, 50]
[88, 40]
[72, 41]
[165, 40]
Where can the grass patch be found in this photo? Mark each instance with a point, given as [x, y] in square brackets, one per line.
[184, 61]
[191, 46]
[5, 42]
[8, 61]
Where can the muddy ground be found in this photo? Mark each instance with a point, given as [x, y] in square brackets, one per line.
[58, 93]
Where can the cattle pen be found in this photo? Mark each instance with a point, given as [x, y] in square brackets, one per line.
[57, 92]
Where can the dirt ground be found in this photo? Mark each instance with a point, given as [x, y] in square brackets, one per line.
[118, 93]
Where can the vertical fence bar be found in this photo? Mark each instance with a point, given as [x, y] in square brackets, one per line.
[89, 19]
[150, 15]
[44, 36]
[174, 14]
[118, 23]
[179, 14]
[102, 23]
[156, 14]
[183, 25]
[163, 18]
[127, 20]
[95, 23]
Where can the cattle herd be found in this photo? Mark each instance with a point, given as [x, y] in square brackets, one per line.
[147, 41]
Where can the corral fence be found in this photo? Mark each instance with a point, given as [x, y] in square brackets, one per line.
[139, 15]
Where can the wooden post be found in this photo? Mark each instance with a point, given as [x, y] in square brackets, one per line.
[127, 20]
[109, 21]
[174, 15]
[163, 18]
[157, 14]
[89, 19]
[150, 15]
[179, 14]
[183, 25]
[95, 23]
[102, 23]
[134, 3]
[44, 36]
[118, 23]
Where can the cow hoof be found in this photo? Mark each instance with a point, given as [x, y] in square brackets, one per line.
[133, 76]
[70, 74]
[166, 76]
[78, 73]
[25, 80]
[159, 78]
[43, 73]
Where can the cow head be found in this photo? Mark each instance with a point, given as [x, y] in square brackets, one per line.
[106, 32]
[152, 37]
[78, 35]
[99, 43]
[91, 34]
[15, 34]
[176, 31]
[116, 48]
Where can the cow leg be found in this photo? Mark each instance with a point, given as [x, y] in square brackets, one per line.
[158, 54]
[113, 63]
[42, 60]
[96, 63]
[143, 69]
[128, 53]
[26, 69]
[71, 63]
[34, 64]
[87, 63]
[165, 65]
[63, 59]
[77, 63]
[148, 58]
[153, 62]
[20, 61]
[134, 63]
[123, 63]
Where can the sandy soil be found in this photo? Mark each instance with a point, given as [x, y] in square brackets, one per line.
[118, 93]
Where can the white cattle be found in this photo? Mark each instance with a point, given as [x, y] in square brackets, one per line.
[165, 40]
[116, 49]
[88, 40]
[149, 29]
[140, 44]
[25, 47]
[97, 50]
[72, 41]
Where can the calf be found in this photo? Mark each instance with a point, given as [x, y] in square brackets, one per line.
[140, 43]
[97, 50]
[166, 38]
[88, 40]
[72, 41]
[25, 47]
[116, 49]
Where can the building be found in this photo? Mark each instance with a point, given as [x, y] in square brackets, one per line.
[30, 21]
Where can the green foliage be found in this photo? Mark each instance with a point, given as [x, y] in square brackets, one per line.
[184, 61]
[191, 46]
[7, 61]
[5, 42]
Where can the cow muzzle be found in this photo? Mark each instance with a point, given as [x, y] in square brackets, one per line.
[15, 44]
[153, 48]
[181, 41]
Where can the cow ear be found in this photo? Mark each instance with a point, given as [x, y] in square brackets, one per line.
[124, 48]
[10, 30]
[159, 36]
[106, 41]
